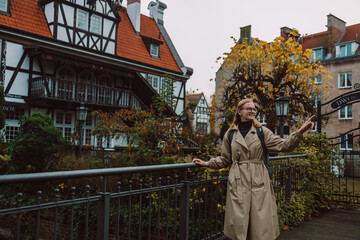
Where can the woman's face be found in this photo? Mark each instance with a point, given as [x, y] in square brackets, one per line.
[247, 112]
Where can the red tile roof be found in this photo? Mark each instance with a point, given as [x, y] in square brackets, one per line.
[27, 15]
[352, 33]
[315, 40]
[193, 99]
[131, 46]
[321, 39]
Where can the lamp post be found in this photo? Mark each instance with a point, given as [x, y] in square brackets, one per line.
[81, 114]
[282, 110]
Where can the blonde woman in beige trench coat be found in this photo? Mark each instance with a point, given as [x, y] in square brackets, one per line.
[250, 201]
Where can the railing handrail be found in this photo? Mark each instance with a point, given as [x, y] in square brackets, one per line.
[288, 156]
[81, 83]
[31, 177]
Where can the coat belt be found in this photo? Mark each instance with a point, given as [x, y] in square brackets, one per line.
[238, 183]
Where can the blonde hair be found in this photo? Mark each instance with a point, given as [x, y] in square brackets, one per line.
[237, 118]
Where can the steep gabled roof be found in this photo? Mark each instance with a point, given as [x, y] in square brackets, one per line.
[131, 46]
[28, 16]
[193, 99]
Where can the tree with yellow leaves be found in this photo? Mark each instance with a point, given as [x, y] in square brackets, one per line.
[260, 70]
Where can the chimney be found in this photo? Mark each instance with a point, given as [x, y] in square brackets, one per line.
[245, 32]
[157, 11]
[285, 33]
[336, 28]
[133, 11]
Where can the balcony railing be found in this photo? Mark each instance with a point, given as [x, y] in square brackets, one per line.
[174, 201]
[54, 88]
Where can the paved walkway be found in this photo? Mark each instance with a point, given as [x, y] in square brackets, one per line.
[335, 225]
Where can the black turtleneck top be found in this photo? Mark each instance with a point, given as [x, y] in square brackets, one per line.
[244, 127]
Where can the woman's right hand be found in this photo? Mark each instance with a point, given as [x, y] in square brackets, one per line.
[199, 162]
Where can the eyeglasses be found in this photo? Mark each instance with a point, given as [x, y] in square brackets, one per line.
[249, 109]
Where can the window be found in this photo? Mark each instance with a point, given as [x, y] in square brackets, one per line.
[82, 19]
[95, 26]
[346, 142]
[345, 50]
[346, 112]
[201, 127]
[14, 115]
[154, 50]
[10, 133]
[4, 5]
[155, 82]
[262, 118]
[318, 54]
[317, 80]
[345, 80]
[88, 136]
[64, 122]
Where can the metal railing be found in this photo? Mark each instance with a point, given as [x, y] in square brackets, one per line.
[346, 186]
[54, 88]
[175, 201]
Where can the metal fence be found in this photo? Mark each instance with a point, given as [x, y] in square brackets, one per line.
[175, 201]
[346, 187]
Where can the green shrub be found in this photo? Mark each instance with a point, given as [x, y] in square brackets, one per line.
[35, 146]
[313, 193]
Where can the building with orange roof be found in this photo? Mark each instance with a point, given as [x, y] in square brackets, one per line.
[57, 55]
[338, 50]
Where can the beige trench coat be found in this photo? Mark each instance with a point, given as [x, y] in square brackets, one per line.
[251, 211]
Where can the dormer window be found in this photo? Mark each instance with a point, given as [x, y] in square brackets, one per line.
[4, 5]
[345, 50]
[318, 54]
[152, 45]
[154, 50]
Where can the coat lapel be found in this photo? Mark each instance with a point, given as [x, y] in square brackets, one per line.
[239, 139]
[250, 138]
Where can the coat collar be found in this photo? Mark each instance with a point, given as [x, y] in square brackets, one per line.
[249, 138]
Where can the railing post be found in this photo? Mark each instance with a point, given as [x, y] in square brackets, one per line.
[103, 217]
[184, 211]
[288, 184]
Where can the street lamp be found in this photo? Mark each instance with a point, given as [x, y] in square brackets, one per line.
[107, 159]
[282, 110]
[81, 114]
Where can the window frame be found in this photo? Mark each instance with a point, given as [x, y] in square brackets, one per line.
[6, 5]
[347, 146]
[319, 56]
[347, 48]
[92, 18]
[346, 113]
[155, 47]
[86, 27]
[346, 74]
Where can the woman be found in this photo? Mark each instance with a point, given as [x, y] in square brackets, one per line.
[250, 200]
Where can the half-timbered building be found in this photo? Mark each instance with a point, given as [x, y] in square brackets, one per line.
[59, 54]
[199, 112]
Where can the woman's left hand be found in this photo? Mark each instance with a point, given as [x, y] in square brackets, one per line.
[308, 125]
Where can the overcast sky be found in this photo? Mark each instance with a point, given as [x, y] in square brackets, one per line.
[201, 30]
